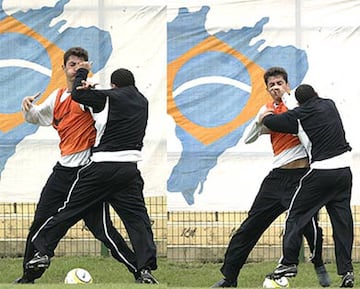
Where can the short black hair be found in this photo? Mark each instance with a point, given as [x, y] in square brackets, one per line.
[304, 92]
[76, 51]
[275, 71]
[122, 77]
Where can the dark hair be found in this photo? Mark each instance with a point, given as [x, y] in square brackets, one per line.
[122, 77]
[275, 71]
[76, 51]
[304, 92]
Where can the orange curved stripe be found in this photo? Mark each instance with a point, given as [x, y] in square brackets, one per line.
[258, 96]
[8, 121]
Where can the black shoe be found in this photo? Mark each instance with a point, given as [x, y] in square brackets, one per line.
[223, 283]
[271, 276]
[137, 275]
[22, 280]
[146, 277]
[39, 261]
[347, 280]
[285, 270]
[323, 276]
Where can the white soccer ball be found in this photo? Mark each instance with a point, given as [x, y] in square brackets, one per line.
[270, 282]
[78, 276]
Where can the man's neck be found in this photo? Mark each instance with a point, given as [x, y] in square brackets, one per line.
[69, 85]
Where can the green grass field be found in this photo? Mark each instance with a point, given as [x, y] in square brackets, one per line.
[109, 274]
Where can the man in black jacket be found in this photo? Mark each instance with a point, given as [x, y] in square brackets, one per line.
[120, 115]
[328, 182]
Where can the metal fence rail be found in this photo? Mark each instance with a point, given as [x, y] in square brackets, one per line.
[180, 236]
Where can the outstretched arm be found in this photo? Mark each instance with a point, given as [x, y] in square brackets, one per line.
[285, 122]
[83, 93]
[255, 128]
[41, 114]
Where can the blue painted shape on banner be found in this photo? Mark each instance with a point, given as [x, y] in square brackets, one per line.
[26, 65]
[211, 87]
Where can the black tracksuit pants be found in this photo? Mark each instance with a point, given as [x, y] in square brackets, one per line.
[53, 197]
[272, 200]
[330, 188]
[121, 185]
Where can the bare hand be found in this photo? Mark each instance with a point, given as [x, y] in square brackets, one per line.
[278, 90]
[268, 111]
[28, 100]
[85, 64]
[86, 85]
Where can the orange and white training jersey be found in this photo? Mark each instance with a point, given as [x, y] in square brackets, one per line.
[74, 126]
[286, 147]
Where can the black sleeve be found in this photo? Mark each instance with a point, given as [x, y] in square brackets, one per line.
[285, 122]
[91, 97]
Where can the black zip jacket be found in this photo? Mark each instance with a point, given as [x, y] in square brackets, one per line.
[317, 123]
[120, 115]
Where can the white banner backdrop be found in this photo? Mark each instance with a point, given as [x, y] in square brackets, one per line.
[200, 66]
[315, 41]
[116, 36]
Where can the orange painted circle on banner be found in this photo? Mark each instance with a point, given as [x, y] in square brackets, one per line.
[8, 121]
[258, 95]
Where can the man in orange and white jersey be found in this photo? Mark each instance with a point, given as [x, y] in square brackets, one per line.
[290, 163]
[75, 127]
[121, 115]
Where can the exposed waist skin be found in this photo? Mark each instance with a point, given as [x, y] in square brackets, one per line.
[297, 164]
